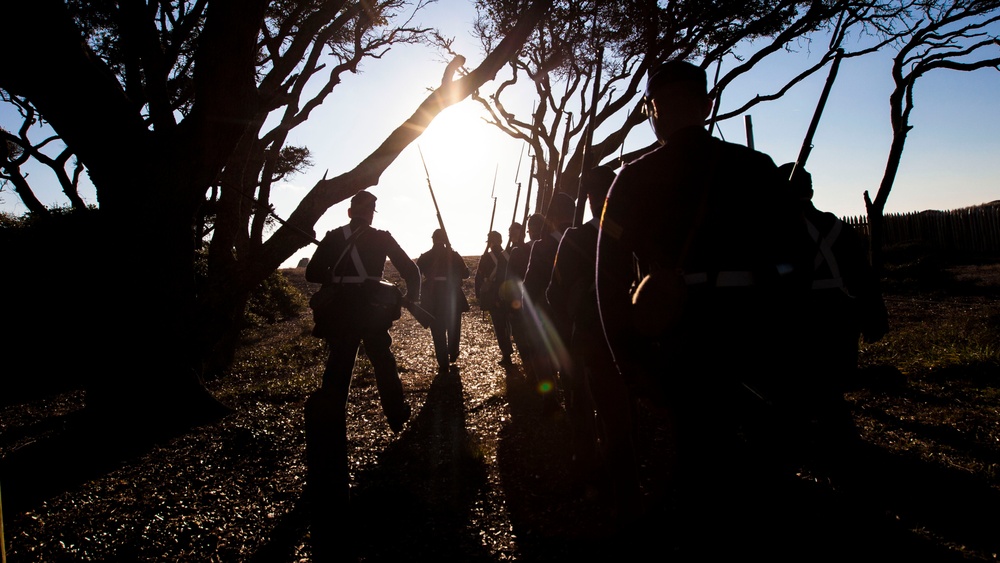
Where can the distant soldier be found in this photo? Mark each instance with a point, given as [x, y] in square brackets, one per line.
[353, 306]
[443, 270]
[513, 289]
[845, 303]
[548, 353]
[515, 236]
[490, 275]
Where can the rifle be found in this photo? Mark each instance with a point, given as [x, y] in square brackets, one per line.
[517, 198]
[581, 198]
[434, 199]
[493, 195]
[800, 162]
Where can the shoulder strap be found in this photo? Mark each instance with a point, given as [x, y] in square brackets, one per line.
[351, 238]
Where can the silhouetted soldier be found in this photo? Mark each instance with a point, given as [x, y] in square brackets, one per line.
[591, 379]
[513, 290]
[443, 270]
[350, 309]
[714, 233]
[845, 303]
[490, 275]
[515, 236]
[548, 350]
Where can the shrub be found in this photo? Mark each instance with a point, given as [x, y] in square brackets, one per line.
[274, 299]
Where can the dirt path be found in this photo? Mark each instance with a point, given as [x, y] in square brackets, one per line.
[479, 474]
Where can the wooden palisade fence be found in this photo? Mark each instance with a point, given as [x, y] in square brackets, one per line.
[972, 230]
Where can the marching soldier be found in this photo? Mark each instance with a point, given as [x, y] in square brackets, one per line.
[714, 234]
[548, 354]
[353, 306]
[844, 304]
[443, 270]
[490, 275]
[513, 289]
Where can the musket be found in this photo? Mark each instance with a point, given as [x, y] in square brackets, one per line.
[531, 169]
[718, 98]
[527, 197]
[749, 127]
[800, 162]
[493, 193]
[434, 199]
[517, 198]
[581, 197]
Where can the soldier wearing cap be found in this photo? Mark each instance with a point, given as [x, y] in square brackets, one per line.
[548, 353]
[844, 305]
[349, 262]
[443, 270]
[513, 290]
[490, 274]
[708, 234]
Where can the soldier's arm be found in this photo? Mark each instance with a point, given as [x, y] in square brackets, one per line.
[535, 281]
[463, 268]
[406, 267]
[614, 273]
[484, 269]
[318, 269]
[555, 293]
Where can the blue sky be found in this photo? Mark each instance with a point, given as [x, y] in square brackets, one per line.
[951, 158]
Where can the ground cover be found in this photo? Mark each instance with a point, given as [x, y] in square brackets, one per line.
[479, 474]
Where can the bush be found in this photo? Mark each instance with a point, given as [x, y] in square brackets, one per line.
[275, 299]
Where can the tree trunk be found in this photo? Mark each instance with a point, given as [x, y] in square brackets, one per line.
[876, 208]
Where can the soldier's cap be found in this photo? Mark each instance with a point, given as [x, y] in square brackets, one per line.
[597, 181]
[677, 72]
[560, 208]
[439, 234]
[363, 201]
[494, 236]
[801, 187]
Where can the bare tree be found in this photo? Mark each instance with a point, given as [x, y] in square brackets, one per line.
[162, 103]
[20, 148]
[947, 35]
[631, 39]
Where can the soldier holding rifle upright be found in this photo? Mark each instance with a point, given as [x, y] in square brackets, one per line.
[714, 233]
[548, 354]
[513, 290]
[443, 271]
[490, 274]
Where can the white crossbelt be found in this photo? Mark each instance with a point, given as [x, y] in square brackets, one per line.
[359, 266]
[825, 253]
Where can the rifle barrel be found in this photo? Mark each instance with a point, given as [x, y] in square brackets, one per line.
[437, 209]
[800, 162]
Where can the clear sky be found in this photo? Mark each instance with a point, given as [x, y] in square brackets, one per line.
[950, 161]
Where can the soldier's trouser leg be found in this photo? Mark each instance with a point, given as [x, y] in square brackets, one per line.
[454, 332]
[502, 330]
[326, 425]
[439, 334]
[390, 388]
[616, 428]
[327, 477]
